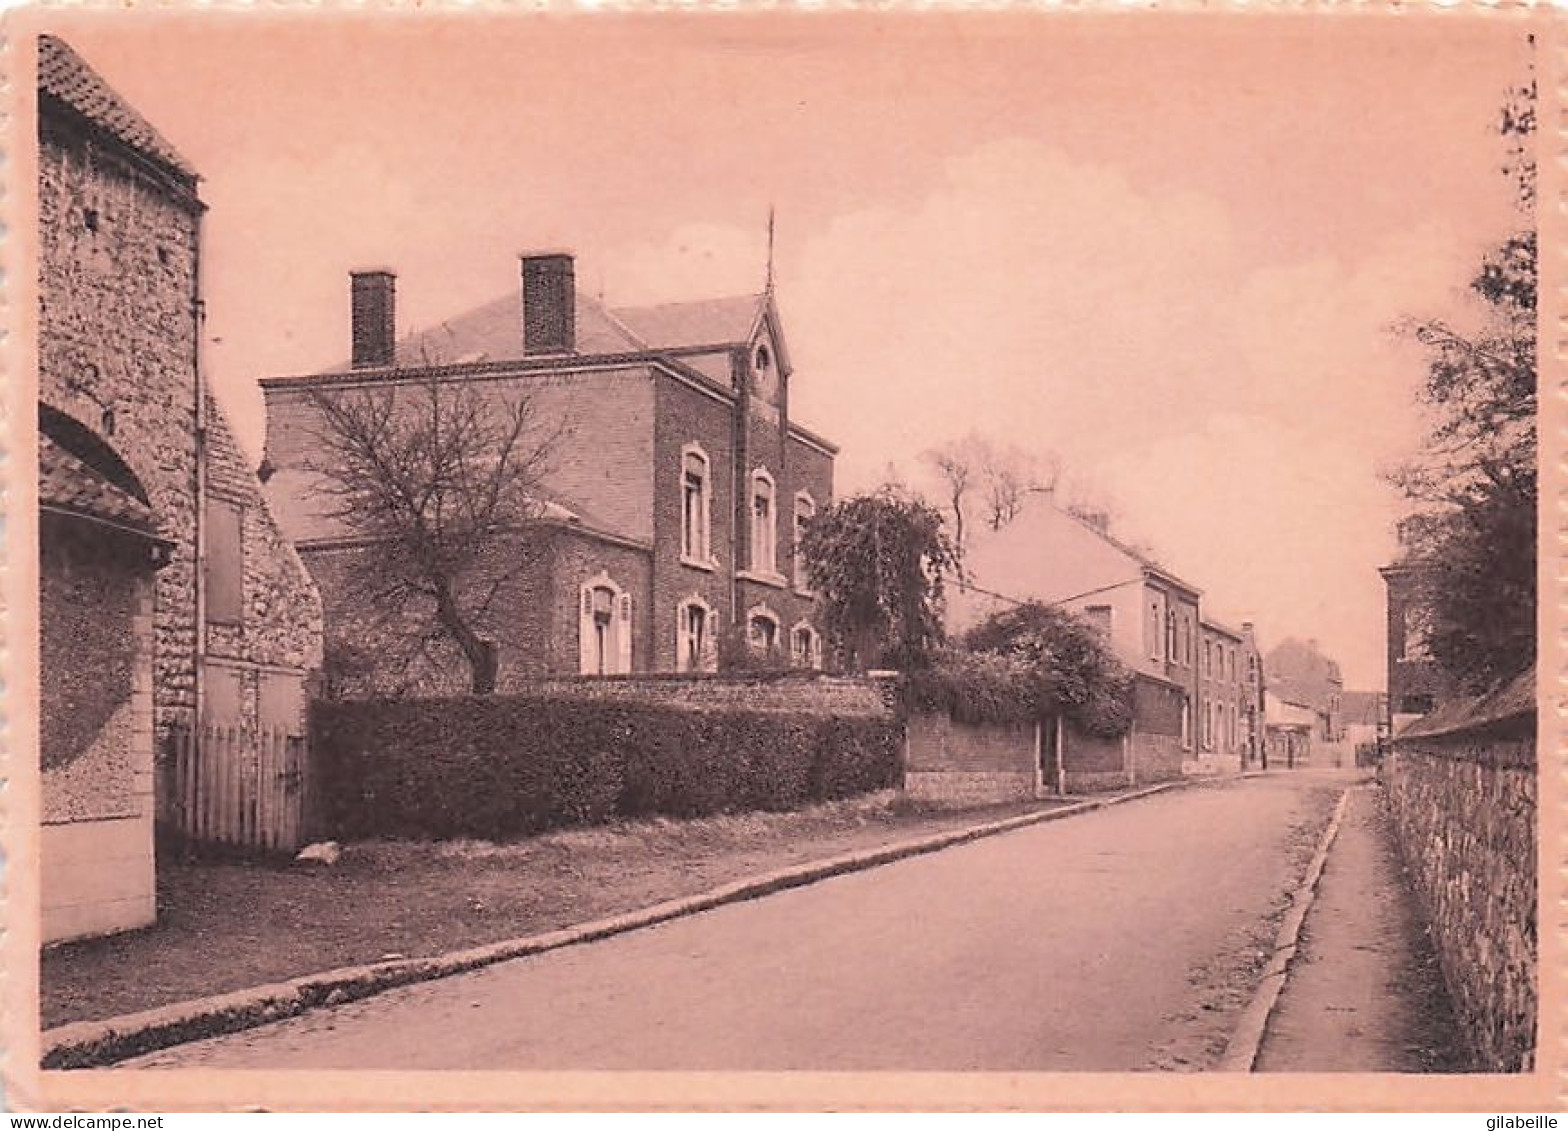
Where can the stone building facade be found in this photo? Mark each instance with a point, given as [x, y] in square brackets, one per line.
[136, 466]
[668, 516]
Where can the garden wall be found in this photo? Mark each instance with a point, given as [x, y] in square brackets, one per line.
[1461, 787]
[947, 762]
[771, 692]
[511, 765]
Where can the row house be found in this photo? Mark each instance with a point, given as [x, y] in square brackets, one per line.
[1222, 714]
[167, 596]
[672, 508]
[1149, 615]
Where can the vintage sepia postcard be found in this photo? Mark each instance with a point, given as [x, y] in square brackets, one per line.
[795, 557]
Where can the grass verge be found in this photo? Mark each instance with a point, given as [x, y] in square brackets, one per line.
[273, 921]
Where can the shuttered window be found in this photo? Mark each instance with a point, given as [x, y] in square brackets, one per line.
[224, 575]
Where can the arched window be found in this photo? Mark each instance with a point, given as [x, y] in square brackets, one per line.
[696, 506]
[805, 511]
[604, 628]
[762, 629]
[764, 523]
[1186, 724]
[805, 646]
[695, 647]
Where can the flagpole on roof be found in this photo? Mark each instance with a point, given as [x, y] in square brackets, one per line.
[769, 287]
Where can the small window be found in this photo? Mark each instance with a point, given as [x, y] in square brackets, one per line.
[695, 506]
[805, 511]
[605, 629]
[694, 637]
[805, 647]
[1186, 724]
[224, 573]
[762, 631]
[763, 524]
[763, 359]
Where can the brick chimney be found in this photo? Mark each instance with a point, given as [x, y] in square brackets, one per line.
[373, 317]
[549, 303]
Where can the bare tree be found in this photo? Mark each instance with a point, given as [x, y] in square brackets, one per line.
[441, 478]
[1009, 475]
[1004, 475]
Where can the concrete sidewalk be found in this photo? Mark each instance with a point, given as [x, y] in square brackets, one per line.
[1364, 993]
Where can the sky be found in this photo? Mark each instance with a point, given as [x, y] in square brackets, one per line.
[1167, 248]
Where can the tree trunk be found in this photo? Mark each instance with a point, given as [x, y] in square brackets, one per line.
[481, 654]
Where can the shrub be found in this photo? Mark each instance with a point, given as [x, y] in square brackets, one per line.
[499, 766]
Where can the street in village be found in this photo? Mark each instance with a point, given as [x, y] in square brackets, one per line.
[1123, 939]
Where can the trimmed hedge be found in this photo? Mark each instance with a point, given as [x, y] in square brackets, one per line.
[499, 766]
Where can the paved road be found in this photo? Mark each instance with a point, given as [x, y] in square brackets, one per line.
[1119, 940]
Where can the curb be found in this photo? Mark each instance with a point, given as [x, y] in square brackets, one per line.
[97, 1044]
[1241, 1053]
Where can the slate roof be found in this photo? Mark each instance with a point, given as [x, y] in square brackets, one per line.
[706, 322]
[68, 484]
[64, 75]
[1361, 708]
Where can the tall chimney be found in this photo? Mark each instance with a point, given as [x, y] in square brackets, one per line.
[373, 317]
[549, 303]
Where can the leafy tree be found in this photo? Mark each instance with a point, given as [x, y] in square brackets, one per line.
[877, 562]
[1074, 671]
[442, 480]
[1475, 481]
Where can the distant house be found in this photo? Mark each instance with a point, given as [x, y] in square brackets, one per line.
[1288, 732]
[1365, 716]
[673, 510]
[166, 594]
[1302, 677]
[1149, 615]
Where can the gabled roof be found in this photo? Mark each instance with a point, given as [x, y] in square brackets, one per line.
[65, 76]
[494, 332]
[1145, 560]
[66, 483]
[1364, 708]
[706, 322]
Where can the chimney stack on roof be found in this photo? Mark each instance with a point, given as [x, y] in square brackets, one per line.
[373, 318]
[549, 303]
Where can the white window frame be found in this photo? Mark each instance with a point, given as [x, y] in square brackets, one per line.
[764, 612]
[705, 558]
[765, 563]
[621, 621]
[798, 560]
[814, 658]
[1186, 723]
[708, 657]
[1158, 610]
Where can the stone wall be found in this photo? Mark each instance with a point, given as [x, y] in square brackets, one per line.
[953, 763]
[1464, 805]
[791, 692]
[117, 349]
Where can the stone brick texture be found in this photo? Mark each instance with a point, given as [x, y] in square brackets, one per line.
[783, 693]
[118, 325]
[117, 349]
[1464, 810]
[937, 743]
[965, 788]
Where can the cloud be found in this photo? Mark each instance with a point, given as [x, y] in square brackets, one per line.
[1239, 410]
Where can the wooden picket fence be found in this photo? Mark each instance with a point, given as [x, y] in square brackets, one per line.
[238, 787]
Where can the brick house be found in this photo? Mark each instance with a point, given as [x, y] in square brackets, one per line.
[166, 593]
[1417, 683]
[1222, 696]
[1148, 614]
[672, 507]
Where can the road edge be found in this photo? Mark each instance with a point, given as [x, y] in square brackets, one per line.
[98, 1044]
[1241, 1052]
